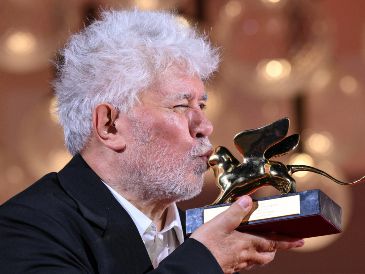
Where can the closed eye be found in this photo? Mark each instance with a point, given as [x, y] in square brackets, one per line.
[181, 106]
[202, 106]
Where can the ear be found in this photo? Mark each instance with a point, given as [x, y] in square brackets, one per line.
[105, 124]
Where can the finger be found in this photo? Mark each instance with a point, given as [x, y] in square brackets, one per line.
[269, 245]
[249, 259]
[282, 238]
[284, 245]
[230, 219]
[264, 243]
[283, 242]
[262, 258]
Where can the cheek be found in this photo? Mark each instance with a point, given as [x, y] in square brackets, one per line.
[171, 129]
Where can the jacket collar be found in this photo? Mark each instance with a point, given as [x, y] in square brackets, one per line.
[94, 199]
[97, 204]
[83, 185]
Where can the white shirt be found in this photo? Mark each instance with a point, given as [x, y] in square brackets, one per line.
[159, 244]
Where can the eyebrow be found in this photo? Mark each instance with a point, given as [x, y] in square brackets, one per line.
[188, 96]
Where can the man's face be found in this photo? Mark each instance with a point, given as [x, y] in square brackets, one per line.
[168, 147]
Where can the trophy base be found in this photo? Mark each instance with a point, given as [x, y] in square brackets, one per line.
[301, 215]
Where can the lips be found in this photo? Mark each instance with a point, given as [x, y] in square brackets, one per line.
[206, 155]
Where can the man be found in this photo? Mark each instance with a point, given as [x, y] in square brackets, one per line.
[131, 100]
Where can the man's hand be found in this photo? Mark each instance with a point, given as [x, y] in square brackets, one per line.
[234, 250]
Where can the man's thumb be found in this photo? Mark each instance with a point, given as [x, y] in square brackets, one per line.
[230, 219]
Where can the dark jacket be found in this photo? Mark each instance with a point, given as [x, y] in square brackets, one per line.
[69, 222]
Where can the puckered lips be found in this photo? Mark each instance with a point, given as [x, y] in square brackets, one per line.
[206, 155]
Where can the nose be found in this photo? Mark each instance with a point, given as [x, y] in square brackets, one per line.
[199, 125]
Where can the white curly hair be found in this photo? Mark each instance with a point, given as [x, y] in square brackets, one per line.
[115, 58]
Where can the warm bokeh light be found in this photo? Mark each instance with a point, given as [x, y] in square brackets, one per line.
[275, 69]
[348, 84]
[320, 80]
[271, 1]
[320, 143]
[301, 159]
[147, 4]
[21, 43]
[233, 8]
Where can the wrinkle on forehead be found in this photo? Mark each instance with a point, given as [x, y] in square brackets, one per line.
[175, 83]
[182, 87]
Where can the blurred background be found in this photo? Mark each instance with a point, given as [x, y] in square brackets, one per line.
[302, 59]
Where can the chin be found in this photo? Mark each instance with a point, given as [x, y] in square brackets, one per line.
[191, 191]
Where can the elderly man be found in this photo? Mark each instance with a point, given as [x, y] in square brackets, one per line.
[131, 101]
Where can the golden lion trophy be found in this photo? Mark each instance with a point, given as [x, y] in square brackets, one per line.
[305, 214]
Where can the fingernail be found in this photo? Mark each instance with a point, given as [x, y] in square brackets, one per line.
[300, 243]
[245, 202]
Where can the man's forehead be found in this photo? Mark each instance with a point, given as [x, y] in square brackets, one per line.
[179, 91]
[177, 84]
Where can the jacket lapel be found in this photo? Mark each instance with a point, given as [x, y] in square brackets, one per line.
[120, 246]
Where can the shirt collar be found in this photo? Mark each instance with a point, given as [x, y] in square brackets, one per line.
[173, 222]
[142, 222]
